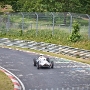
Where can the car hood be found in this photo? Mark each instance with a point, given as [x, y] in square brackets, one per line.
[44, 62]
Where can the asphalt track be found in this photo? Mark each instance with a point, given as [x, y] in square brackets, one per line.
[66, 75]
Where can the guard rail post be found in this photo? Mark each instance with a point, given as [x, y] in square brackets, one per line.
[36, 23]
[22, 22]
[53, 23]
[88, 27]
[8, 23]
[70, 22]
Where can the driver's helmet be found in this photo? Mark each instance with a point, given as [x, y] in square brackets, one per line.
[41, 54]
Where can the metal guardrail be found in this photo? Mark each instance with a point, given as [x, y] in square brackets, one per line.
[48, 47]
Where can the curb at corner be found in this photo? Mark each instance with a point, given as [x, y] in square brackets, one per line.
[17, 85]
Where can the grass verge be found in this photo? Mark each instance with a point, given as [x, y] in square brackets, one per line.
[60, 37]
[5, 82]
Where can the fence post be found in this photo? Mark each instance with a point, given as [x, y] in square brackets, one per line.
[88, 27]
[8, 22]
[53, 23]
[70, 22]
[22, 22]
[36, 24]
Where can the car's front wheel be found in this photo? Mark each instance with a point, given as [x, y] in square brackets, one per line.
[38, 67]
[48, 59]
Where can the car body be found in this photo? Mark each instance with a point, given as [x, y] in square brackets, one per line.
[43, 62]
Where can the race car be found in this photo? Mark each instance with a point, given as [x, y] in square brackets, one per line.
[42, 61]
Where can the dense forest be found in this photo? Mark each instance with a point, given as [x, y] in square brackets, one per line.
[76, 6]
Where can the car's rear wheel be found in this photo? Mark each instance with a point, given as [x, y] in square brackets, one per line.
[52, 64]
[34, 60]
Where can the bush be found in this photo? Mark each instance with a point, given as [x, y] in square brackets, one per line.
[75, 36]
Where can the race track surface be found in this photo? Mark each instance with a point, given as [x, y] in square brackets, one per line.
[66, 75]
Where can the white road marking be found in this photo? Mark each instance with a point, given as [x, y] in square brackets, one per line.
[9, 62]
[40, 73]
[13, 69]
[29, 74]
[20, 75]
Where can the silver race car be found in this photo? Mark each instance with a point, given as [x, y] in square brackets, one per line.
[42, 61]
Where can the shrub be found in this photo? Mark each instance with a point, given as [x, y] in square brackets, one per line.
[75, 36]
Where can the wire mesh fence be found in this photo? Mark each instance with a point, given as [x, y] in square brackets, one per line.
[38, 23]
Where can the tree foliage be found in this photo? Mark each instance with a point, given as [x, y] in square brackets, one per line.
[76, 6]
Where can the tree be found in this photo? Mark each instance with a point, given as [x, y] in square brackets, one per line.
[76, 6]
[85, 6]
[16, 5]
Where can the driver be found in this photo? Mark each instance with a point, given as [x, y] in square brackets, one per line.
[41, 57]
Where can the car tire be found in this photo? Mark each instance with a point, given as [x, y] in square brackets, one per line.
[34, 60]
[38, 67]
[48, 59]
[52, 64]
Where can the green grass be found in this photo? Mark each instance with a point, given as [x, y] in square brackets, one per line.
[60, 37]
[5, 82]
